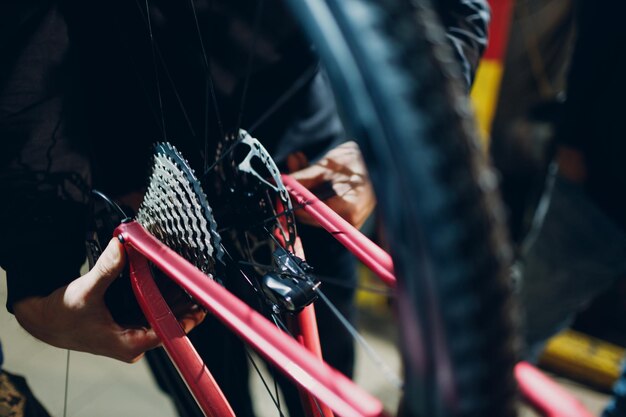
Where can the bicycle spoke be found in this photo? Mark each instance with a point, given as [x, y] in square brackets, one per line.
[258, 285]
[255, 31]
[387, 372]
[156, 70]
[243, 274]
[209, 86]
[280, 324]
[273, 372]
[210, 92]
[283, 98]
[179, 100]
[267, 388]
[67, 383]
[166, 70]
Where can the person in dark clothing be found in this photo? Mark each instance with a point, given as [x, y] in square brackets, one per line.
[82, 99]
[578, 246]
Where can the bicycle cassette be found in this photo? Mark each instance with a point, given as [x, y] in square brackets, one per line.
[176, 211]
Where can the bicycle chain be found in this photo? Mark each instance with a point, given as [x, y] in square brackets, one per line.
[176, 211]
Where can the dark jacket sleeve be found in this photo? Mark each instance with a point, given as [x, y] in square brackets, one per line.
[466, 23]
[43, 175]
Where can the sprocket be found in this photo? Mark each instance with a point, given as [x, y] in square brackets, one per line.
[176, 210]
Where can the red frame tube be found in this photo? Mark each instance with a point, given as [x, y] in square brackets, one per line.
[545, 395]
[302, 366]
[304, 328]
[328, 385]
[199, 380]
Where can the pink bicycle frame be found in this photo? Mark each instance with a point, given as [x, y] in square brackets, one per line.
[299, 360]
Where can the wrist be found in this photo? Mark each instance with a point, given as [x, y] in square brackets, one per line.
[41, 317]
[30, 313]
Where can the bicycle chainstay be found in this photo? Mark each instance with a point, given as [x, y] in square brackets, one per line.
[176, 211]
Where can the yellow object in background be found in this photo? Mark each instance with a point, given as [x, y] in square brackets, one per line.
[584, 358]
[485, 95]
[369, 300]
[489, 75]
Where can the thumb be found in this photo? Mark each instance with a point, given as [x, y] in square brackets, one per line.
[107, 269]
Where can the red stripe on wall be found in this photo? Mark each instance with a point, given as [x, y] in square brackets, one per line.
[499, 28]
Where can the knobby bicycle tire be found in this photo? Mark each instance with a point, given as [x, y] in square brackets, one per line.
[397, 86]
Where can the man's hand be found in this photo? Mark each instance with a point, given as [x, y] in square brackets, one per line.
[342, 172]
[76, 317]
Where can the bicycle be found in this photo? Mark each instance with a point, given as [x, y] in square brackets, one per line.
[390, 76]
